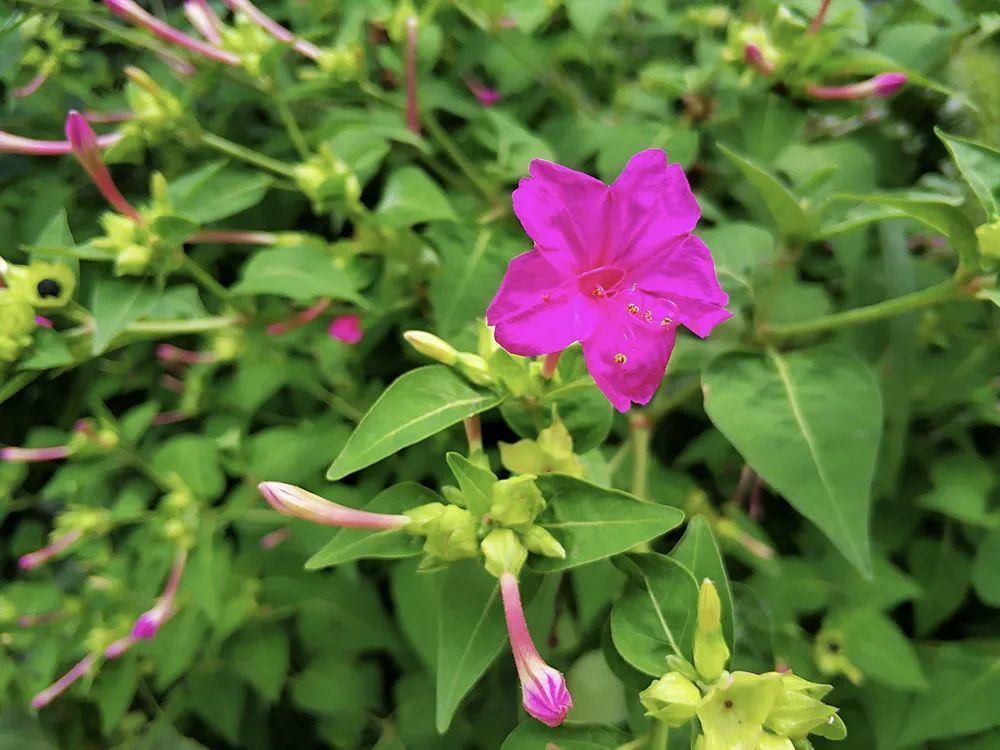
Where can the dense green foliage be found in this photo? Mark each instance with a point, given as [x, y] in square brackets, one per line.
[828, 457]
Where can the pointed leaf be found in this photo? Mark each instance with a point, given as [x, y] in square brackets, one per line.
[217, 191]
[303, 272]
[699, 553]
[809, 423]
[475, 481]
[411, 197]
[876, 646]
[115, 303]
[415, 406]
[980, 166]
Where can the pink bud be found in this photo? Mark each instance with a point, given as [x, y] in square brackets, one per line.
[882, 85]
[346, 328]
[484, 94]
[299, 319]
[274, 538]
[42, 322]
[149, 622]
[85, 149]
[60, 686]
[543, 688]
[132, 11]
[41, 556]
[274, 28]
[297, 502]
[755, 58]
[34, 455]
[200, 14]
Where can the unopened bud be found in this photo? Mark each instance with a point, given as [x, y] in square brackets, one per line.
[673, 699]
[132, 260]
[431, 346]
[989, 239]
[516, 502]
[710, 650]
[503, 552]
[452, 536]
[474, 368]
[541, 542]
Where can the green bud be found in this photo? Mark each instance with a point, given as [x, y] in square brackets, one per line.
[828, 651]
[673, 699]
[504, 553]
[989, 239]
[453, 495]
[422, 517]
[328, 181]
[683, 666]
[516, 502]
[552, 452]
[541, 542]
[431, 346]
[798, 711]
[732, 714]
[228, 345]
[342, 63]
[513, 372]
[8, 612]
[710, 650]
[453, 535]
[474, 368]
[42, 285]
[17, 321]
[133, 260]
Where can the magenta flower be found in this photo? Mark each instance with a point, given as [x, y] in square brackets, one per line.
[15, 144]
[346, 328]
[150, 621]
[132, 11]
[60, 686]
[614, 267]
[297, 502]
[85, 148]
[543, 688]
[881, 86]
[41, 556]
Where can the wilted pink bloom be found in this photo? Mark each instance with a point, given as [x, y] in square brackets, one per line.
[543, 688]
[615, 267]
[486, 96]
[15, 144]
[274, 28]
[755, 58]
[42, 322]
[299, 319]
[149, 622]
[346, 328]
[882, 85]
[200, 14]
[132, 11]
[85, 149]
[412, 105]
[41, 556]
[297, 502]
[60, 686]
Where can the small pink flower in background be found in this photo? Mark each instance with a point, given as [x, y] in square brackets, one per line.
[170, 355]
[86, 150]
[274, 538]
[543, 688]
[484, 94]
[150, 621]
[346, 328]
[299, 503]
[61, 685]
[880, 86]
[41, 556]
[614, 267]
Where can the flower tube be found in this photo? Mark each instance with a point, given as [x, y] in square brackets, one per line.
[297, 502]
[85, 148]
[880, 86]
[150, 621]
[41, 556]
[17, 455]
[61, 685]
[200, 14]
[132, 11]
[15, 144]
[299, 319]
[275, 29]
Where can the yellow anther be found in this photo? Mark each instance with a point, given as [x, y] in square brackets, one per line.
[620, 358]
[632, 308]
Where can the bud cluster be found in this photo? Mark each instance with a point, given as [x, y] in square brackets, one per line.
[328, 182]
[551, 452]
[38, 286]
[772, 711]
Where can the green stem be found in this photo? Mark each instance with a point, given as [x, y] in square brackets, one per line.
[156, 328]
[641, 432]
[659, 737]
[236, 151]
[209, 283]
[943, 292]
[292, 126]
[455, 154]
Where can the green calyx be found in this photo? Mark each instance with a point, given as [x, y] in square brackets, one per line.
[516, 502]
[17, 321]
[551, 452]
[450, 533]
[328, 182]
[673, 699]
[503, 552]
[44, 286]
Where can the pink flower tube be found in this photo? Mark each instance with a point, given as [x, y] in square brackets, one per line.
[150, 621]
[170, 354]
[132, 11]
[235, 237]
[297, 502]
[61, 685]
[880, 86]
[33, 85]
[41, 556]
[275, 29]
[543, 688]
[15, 144]
[17, 455]
[84, 142]
[200, 14]
[755, 58]
[299, 319]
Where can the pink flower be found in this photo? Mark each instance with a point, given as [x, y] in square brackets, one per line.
[86, 150]
[33, 85]
[882, 85]
[150, 621]
[543, 688]
[34, 455]
[614, 267]
[60, 686]
[346, 328]
[132, 11]
[15, 144]
[297, 502]
[41, 556]
[484, 94]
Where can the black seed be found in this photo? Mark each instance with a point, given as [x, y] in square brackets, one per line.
[728, 704]
[49, 288]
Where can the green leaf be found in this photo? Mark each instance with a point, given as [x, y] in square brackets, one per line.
[476, 483]
[587, 16]
[411, 197]
[216, 191]
[877, 647]
[980, 166]
[195, 459]
[19, 731]
[986, 569]
[592, 522]
[302, 272]
[944, 572]
[353, 544]
[809, 423]
[470, 636]
[699, 553]
[260, 655]
[656, 616]
[219, 700]
[531, 735]
[792, 220]
[115, 687]
[415, 406]
[48, 352]
[115, 303]
[416, 595]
